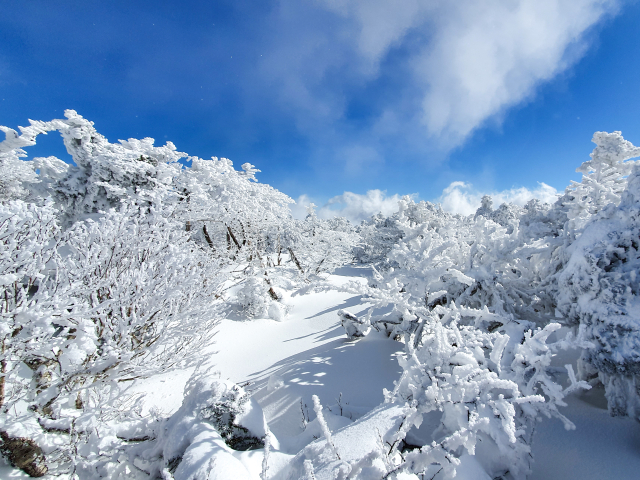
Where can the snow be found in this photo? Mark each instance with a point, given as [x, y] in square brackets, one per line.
[308, 354]
[207, 457]
[352, 444]
[176, 323]
[600, 447]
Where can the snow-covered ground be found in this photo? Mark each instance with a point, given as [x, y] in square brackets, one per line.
[284, 363]
[310, 354]
[601, 446]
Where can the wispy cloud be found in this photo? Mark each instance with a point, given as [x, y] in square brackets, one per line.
[484, 58]
[448, 67]
[347, 88]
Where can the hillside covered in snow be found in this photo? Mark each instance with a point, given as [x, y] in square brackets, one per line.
[165, 317]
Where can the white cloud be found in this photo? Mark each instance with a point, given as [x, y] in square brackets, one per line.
[457, 64]
[299, 209]
[458, 197]
[485, 58]
[353, 206]
[461, 197]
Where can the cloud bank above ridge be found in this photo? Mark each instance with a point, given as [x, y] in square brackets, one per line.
[353, 206]
[458, 197]
[464, 198]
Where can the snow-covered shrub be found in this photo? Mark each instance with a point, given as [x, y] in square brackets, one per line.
[260, 297]
[599, 289]
[28, 240]
[472, 261]
[129, 297]
[476, 383]
[604, 178]
[320, 246]
[378, 235]
[254, 297]
[216, 418]
[479, 393]
[540, 221]
[14, 174]
[507, 214]
[354, 327]
[143, 284]
[317, 407]
[473, 384]
[225, 409]
[17, 177]
[467, 296]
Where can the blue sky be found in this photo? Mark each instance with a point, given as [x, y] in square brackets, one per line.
[446, 100]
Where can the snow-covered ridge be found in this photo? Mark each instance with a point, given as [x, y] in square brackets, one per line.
[129, 279]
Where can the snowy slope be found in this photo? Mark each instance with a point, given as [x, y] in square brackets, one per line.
[309, 351]
[284, 363]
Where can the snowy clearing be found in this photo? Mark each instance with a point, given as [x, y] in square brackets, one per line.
[310, 353]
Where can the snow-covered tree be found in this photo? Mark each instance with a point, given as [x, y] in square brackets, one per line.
[316, 245]
[103, 174]
[16, 175]
[507, 214]
[599, 290]
[233, 214]
[106, 173]
[378, 235]
[225, 209]
[604, 177]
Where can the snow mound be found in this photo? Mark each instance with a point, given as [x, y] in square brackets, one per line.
[217, 418]
[354, 442]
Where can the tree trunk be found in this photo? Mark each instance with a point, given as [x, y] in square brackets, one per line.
[295, 260]
[3, 368]
[233, 237]
[272, 292]
[207, 237]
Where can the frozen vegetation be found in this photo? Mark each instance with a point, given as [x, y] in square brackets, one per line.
[164, 317]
